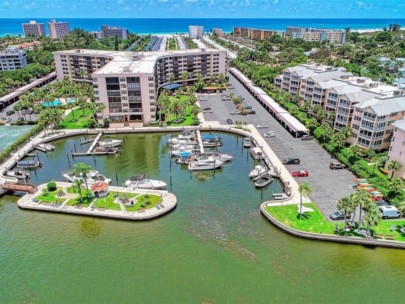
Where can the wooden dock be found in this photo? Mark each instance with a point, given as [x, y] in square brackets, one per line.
[94, 144]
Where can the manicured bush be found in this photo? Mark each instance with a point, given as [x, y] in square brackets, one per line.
[51, 186]
[91, 123]
[106, 122]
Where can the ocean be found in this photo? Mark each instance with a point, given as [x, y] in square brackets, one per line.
[13, 26]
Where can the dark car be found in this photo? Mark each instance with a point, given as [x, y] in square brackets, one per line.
[338, 215]
[307, 137]
[251, 112]
[336, 166]
[291, 161]
[248, 107]
[19, 119]
[229, 121]
[10, 112]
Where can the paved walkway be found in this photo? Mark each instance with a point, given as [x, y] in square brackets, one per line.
[169, 202]
[219, 47]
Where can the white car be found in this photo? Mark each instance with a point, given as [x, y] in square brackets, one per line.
[270, 134]
[262, 126]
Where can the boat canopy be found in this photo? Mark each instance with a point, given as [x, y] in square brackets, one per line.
[27, 162]
[136, 178]
[185, 154]
[209, 136]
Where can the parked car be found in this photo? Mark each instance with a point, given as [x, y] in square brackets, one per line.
[389, 212]
[307, 137]
[338, 215]
[248, 107]
[10, 112]
[291, 161]
[207, 110]
[262, 126]
[19, 119]
[251, 112]
[300, 173]
[382, 203]
[235, 112]
[270, 134]
[336, 166]
[229, 121]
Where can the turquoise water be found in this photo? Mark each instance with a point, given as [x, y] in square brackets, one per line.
[56, 102]
[8, 134]
[215, 247]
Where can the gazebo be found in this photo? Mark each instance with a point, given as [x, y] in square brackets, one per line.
[100, 189]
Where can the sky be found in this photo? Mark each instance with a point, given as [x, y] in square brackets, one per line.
[202, 8]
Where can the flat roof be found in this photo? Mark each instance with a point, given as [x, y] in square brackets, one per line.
[133, 62]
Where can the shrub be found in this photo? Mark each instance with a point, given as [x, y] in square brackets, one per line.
[45, 192]
[51, 186]
[106, 122]
[91, 123]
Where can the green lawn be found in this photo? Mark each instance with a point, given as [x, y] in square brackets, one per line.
[73, 190]
[108, 202]
[76, 201]
[79, 122]
[142, 202]
[188, 117]
[384, 227]
[51, 197]
[309, 222]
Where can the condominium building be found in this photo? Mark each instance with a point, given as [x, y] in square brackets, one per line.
[195, 31]
[109, 31]
[34, 29]
[251, 33]
[397, 147]
[12, 58]
[217, 31]
[315, 34]
[127, 83]
[58, 30]
[346, 96]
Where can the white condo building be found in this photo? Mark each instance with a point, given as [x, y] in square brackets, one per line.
[12, 58]
[128, 83]
[58, 30]
[33, 29]
[195, 31]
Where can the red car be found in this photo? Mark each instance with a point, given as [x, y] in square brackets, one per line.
[300, 173]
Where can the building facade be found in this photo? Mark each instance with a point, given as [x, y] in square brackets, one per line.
[254, 34]
[12, 58]
[397, 148]
[108, 32]
[315, 34]
[219, 32]
[128, 83]
[33, 29]
[58, 30]
[366, 106]
[195, 31]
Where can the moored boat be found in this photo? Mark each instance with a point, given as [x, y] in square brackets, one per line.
[247, 142]
[110, 143]
[20, 174]
[263, 180]
[45, 147]
[140, 182]
[204, 165]
[257, 153]
[92, 177]
[29, 164]
[280, 196]
[257, 170]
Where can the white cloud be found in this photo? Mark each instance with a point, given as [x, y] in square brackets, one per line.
[276, 1]
[30, 5]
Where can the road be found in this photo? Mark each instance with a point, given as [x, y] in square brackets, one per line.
[328, 185]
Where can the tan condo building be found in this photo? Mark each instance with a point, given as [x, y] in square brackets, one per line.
[397, 148]
[128, 83]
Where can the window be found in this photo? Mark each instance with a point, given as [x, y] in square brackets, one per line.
[393, 114]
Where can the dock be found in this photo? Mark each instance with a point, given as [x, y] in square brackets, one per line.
[200, 143]
[94, 144]
[87, 141]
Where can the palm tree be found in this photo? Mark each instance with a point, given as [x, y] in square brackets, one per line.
[163, 104]
[184, 77]
[327, 131]
[195, 110]
[78, 186]
[171, 78]
[377, 160]
[356, 150]
[100, 108]
[371, 218]
[17, 107]
[362, 198]
[304, 189]
[394, 166]
[347, 205]
[82, 170]
[401, 208]
[177, 107]
[395, 186]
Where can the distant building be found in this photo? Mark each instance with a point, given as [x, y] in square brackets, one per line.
[255, 34]
[34, 29]
[108, 31]
[58, 30]
[12, 58]
[195, 31]
[217, 31]
[96, 34]
[397, 150]
[315, 34]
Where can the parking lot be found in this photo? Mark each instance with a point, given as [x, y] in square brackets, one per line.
[15, 116]
[328, 185]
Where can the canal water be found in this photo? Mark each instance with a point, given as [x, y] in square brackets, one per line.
[8, 134]
[215, 247]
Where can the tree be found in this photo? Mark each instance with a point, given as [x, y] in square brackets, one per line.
[177, 107]
[362, 198]
[171, 78]
[395, 185]
[303, 189]
[195, 110]
[377, 160]
[394, 166]
[82, 170]
[78, 186]
[163, 103]
[356, 150]
[346, 205]
[327, 131]
[401, 209]
[371, 218]
[184, 77]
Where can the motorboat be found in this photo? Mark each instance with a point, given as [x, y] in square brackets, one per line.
[109, 142]
[45, 147]
[185, 136]
[180, 150]
[263, 180]
[257, 153]
[176, 141]
[183, 146]
[210, 140]
[280, 196]
[257, 171]
[204, 165]
[247, 142]
[29, 164]
[92, 177]
[19, 174]
[140, 182]
[184, 158]
[224, 157]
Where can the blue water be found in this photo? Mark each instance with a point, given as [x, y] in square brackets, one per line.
[156, 26]
[56, 102]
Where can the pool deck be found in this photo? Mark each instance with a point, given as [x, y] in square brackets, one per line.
[169, 202]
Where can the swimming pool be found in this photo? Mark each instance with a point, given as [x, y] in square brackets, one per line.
[56, 102]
